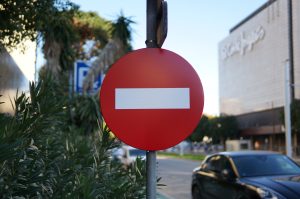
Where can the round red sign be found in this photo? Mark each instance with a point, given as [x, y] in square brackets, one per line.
[152, 99]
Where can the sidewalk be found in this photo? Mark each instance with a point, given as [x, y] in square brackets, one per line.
[162, 196]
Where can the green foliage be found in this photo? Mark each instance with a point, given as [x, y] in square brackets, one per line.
[91, 26]
[202, 129]
[84, 112]
[121, 29]
[21, 19]
[46, 20]
[43, 154]
[24, 147]
[295, 116]
[58, 28]
[17, 21]
[223, 127]
[218, 128]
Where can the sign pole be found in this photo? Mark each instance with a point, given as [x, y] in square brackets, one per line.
[152, 13]
[125, 98]
[151, 42]
[151, 174]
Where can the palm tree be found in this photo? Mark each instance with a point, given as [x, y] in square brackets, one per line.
[116, 47]
[65, 34]
[59, 36]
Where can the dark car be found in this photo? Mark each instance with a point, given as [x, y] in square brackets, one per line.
[246, 175]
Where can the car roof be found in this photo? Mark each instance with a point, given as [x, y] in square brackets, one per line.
[246, 153]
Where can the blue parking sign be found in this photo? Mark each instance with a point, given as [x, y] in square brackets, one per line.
[81, 69]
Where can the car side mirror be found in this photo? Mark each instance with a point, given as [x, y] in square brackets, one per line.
[227, 175]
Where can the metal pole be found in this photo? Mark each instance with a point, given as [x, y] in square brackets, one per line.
[152, 16]
[287, 111]
[151, 174]
[151, 42]
[291, 45]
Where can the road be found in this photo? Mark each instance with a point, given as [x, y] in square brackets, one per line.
[176, 175]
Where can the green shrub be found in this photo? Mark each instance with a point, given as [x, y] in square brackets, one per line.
[52, 147]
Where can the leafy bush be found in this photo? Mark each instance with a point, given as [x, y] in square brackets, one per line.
[46, 153]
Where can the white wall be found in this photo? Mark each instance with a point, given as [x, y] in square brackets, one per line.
[252, 58]
[16, 69]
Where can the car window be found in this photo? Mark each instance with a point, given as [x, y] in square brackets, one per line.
[225, 164]
[209, 164]
[216, 164]
[261, 165]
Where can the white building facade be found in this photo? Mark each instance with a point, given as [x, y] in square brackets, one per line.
[17, 68]
[252, 62]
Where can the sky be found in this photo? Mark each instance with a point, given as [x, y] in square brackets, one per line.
[195, 28]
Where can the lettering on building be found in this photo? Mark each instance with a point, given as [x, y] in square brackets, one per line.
[244, 43]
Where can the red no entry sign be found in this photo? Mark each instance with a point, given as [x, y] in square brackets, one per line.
[152, 99]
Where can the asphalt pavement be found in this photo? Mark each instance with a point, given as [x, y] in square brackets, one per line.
[176, 175]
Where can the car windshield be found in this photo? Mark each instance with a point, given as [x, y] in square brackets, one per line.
[137, 152]
[262, 165]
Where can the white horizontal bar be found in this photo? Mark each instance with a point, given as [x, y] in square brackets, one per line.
[152, 98]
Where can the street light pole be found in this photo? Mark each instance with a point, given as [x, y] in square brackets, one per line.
[287, 110]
